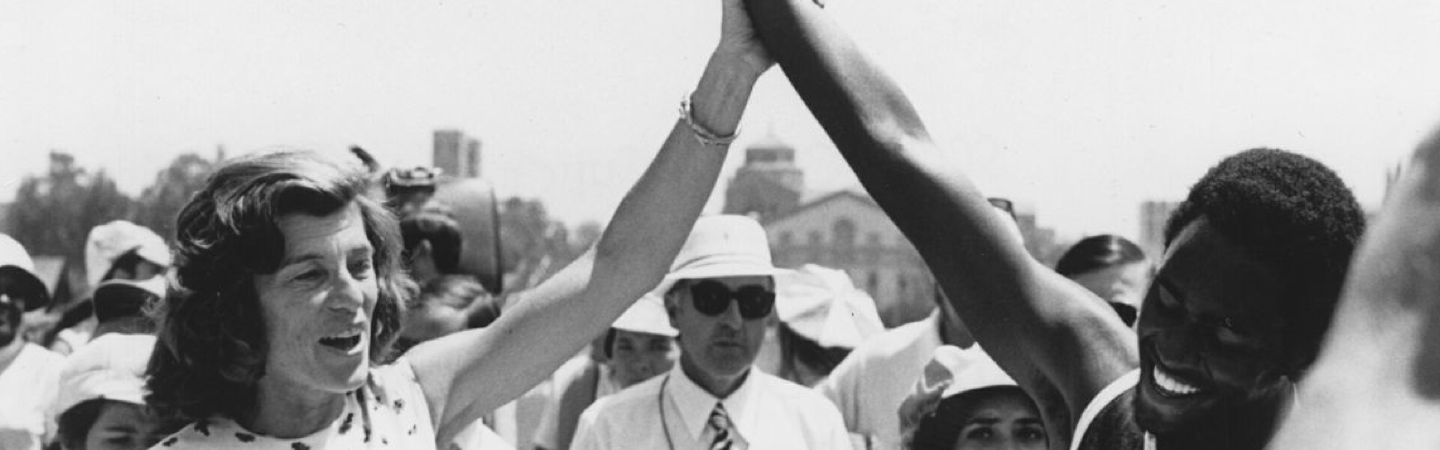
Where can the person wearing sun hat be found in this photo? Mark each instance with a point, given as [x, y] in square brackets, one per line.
[638, 346]
[120, 305]
[117, 250]
[822, 317]
[27, 371]
[966, 405]
[102, 396]
[124, 250]
[719, 295]
[875, 377]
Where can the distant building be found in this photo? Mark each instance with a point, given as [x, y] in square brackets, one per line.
[456, 154]
[847, 230]
[769, 184]
[1153, 215]
[1040, 241]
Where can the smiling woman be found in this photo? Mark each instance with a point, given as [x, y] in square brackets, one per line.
[289, 285]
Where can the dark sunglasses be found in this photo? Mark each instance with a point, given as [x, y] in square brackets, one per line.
[1127, 313]
[712, 298]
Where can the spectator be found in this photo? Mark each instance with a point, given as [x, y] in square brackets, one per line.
[962, 405]
[102, 389]
[872, 381]
[1113, 268]
[27, 371]
[443, 307]
[719, 294]
[118, 250]
[637, 347]
[822, 317]
[432, 245]
[122, 306]
[287, 290]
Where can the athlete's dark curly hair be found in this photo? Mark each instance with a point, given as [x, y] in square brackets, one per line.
[211, 345]
[1293, 213]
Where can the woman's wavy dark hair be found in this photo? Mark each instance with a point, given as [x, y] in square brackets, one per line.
[211, 345]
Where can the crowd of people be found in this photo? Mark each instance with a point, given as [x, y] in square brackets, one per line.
[307, 303]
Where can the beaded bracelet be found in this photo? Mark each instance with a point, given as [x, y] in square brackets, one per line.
[703, 134]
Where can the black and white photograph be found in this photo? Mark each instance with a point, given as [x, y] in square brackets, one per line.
[720, 225]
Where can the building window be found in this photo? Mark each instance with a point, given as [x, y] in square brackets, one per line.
[843, 237]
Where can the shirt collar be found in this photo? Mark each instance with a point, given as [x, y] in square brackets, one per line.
[695, 403]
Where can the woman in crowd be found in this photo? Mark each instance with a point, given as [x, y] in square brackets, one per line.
[964, 405]
[287, 281]
[1255, 259]
[1113, 268]
[101, 404]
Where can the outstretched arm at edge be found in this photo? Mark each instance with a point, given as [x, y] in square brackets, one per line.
[1377, 382]
[1043, 329]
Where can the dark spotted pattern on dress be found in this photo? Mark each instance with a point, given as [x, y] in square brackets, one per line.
[245, 437]
[346, 424]
[413, 428]
[367, 433]
[399, 404]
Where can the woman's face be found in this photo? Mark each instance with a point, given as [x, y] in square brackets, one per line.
[1002, 419]
[636, 357]
[123, 426]
[318, 305]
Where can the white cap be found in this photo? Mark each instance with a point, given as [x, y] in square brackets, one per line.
[112, 367]
[15, 260]
[110, 241]
[965, 370]
[647, 316]
[823, 305]
[722, 246]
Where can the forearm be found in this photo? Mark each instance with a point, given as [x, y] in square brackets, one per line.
[879, 133]
[989, 276]
[550, 323]
[1374, 385]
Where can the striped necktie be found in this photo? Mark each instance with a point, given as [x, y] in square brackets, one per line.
[720, 424]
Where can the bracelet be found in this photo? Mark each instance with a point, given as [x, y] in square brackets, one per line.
[703, 135]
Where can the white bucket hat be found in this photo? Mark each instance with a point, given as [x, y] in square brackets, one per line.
[823, 305]
[107, 243]
[722, 246]
[647, 316]
[16, 262]
[112, 367]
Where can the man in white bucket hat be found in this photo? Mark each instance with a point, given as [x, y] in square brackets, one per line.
[719, 294]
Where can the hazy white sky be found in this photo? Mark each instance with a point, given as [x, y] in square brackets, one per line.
[1081, 108]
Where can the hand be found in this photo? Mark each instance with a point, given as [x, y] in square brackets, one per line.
[738, 39]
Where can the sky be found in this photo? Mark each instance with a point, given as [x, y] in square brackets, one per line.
[1079, 110]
